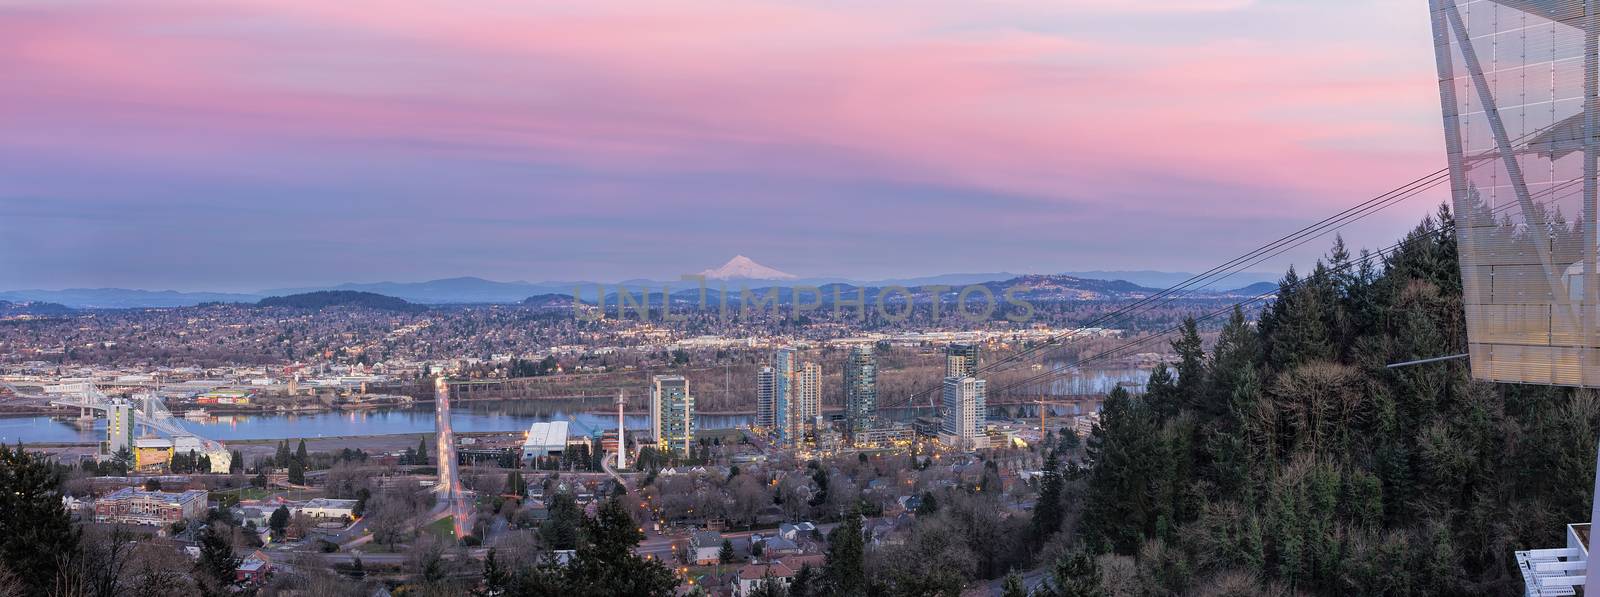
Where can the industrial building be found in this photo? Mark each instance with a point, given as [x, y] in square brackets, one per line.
[545, 439]
[151, 452]
[328, 508]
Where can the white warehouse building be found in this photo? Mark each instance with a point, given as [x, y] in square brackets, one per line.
[545, 439]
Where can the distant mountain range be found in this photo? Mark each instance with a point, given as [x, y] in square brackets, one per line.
[1036, 289]
[733, 276]
[122, 298]
[1156, 279]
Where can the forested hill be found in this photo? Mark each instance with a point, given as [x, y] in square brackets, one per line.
[1289, 459]
[341, 298]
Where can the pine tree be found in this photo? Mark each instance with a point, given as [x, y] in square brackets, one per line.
[422, 451]
[804, 584]
[1047, 512]
[279, 522]
[217, 566]
[282, 459]
[1191, 364]
[496, 579]
[1125, 488]
[297, 472]
[1012, 587]
[1161, 392]
[35, 530]
[844, 570]
[606, 564]
[1076, 574]
[929, 505]
[300, 453]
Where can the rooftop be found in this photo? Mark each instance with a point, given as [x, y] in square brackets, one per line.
[551, 435]
[161, 496]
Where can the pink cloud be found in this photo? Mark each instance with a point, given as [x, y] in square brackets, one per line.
[795, 89]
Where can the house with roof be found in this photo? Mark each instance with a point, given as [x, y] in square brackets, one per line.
[254, 569]
[797, 531]
[751, 576]
[776, 546]
[707, 546]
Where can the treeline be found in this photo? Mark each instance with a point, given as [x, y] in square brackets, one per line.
[1289, 459]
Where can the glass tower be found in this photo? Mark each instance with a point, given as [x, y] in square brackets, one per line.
[861, 389]
[672, 414]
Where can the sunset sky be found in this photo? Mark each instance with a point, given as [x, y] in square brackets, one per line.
[241, 145]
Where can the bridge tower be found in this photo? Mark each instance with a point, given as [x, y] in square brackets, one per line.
[622, 431]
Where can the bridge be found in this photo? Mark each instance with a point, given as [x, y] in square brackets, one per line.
[452, 500]
[150, 412]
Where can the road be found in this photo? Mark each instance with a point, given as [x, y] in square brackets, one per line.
[606, 462]
[450, 494]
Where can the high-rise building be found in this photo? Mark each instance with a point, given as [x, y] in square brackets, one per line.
[766, 399]
[784, 369]
[807, 399]
[965, 414]
[961, 360]
[119, 428]
[861, 389]
[671, 414]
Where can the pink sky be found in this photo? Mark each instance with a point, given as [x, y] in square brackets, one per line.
[561, 140]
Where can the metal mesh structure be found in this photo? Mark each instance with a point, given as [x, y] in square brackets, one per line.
[1517, 88]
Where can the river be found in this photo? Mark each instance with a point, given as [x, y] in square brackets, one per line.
[486, 416]
[466, 417]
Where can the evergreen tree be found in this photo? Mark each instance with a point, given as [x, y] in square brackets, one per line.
[1047, 511]
[422, 451]
[1161, 392]
[844, 571]
[217, 566]
[1012, 587]
[1075, 574]
[1191, 364]
[297, 472]
[282, 459]
[516, 485]
[606, 564]
[804, 583]
[300, 453]
[279, 521]
[496, 580]
[560, 530]
[726, 555]
[928, 505]
[36, 533]
[1125, 488]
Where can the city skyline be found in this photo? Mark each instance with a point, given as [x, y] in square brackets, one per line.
[243, 146]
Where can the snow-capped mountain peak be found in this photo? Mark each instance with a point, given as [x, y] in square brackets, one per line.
[745, 268]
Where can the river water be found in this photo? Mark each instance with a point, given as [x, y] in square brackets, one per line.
[466, 417]
[483, 416]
